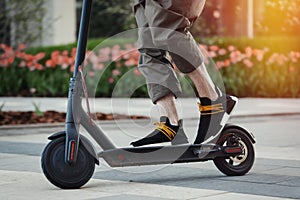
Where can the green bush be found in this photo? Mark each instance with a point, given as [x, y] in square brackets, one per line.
[279, 44]
[249, 68]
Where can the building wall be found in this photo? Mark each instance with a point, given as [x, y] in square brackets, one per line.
[59, 23]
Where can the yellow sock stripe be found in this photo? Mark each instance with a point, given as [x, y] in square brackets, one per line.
[167, 131]
[217, 108]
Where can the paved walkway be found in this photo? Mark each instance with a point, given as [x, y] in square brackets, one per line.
[275, 175]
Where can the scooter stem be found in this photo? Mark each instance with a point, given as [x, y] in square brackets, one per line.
[83, 34]
[72, 134]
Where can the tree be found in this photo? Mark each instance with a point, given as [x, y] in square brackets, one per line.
[222, 18]
[279, 17]
[229, 18]
[109, 17]
[21, 21]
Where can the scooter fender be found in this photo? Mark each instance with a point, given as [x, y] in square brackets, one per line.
[86, 143]
[247, 132]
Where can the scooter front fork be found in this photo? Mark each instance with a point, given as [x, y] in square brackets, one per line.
[72, 134]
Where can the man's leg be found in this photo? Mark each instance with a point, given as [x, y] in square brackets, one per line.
[173, 35]
[162, 83]
[162, 86]
[154, 64]
[167, 107]
[203, 83]
[169, 23]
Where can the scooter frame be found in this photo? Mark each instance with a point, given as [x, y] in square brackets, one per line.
[129, 156]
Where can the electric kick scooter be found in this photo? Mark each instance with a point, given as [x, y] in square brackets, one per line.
[68, 161]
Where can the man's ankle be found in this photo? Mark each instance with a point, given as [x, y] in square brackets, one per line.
[173, 121]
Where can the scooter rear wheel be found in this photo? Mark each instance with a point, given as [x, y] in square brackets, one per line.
[64, 175]
[237, 165]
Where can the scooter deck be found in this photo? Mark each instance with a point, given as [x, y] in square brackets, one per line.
[152, 155]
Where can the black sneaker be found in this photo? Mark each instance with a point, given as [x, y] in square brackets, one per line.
[164, 132]
[214, 116]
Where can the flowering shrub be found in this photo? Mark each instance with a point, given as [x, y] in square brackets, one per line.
[40, 75]
[258, 72]
[14, 65]
[245, 72]
[8, 57]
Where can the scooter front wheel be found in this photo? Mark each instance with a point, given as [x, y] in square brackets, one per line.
[240, 164]
[62, 174]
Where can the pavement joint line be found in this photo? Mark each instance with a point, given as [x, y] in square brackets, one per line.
[261, 183]
[277, 165]
[212, 195]
[288, 179]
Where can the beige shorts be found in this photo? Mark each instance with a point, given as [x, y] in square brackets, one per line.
[164, 30]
